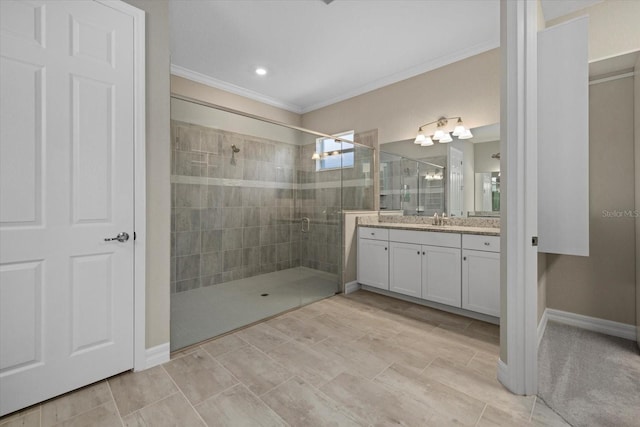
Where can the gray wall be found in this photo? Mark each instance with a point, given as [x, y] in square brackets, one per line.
[232, 213]
[482, 153]
[603, 284]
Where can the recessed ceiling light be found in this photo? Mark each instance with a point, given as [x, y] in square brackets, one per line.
[261, 71]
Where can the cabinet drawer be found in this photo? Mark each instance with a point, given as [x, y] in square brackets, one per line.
[431, 238]
[481, 243]
[373, 233]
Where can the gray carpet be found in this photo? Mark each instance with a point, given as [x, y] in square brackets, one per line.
[590, 379]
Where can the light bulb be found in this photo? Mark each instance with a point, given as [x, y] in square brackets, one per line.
[466, 134]
[445, 138]
[439, 134]
[261, 71]
[427, 142]
[459, 129]
[419, 138]
[315, 156]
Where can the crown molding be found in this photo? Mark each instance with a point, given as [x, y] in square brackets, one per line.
[408, 73]
[179, 71]
[377, 84]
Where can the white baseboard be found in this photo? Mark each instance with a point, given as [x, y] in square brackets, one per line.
[503, 373]
[542, 325]
[157, 355]
[608, 327]
[351, 287]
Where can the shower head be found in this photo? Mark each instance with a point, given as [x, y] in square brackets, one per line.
[235, 149]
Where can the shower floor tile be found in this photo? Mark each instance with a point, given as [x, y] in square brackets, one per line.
[203, 313]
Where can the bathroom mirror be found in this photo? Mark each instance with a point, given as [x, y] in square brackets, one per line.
[487, 193]
[456, 163]
[411, 185]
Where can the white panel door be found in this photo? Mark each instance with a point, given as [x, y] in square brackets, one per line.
[441, 280]
[405, 268]
[563, 139]
[66, 183]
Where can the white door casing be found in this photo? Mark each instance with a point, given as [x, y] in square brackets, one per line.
[67, 142]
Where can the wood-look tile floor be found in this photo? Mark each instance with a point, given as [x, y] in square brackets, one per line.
[357, 360]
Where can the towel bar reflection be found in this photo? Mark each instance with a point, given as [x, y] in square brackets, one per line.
[305, 221]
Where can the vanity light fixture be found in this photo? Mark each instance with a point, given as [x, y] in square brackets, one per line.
[441, 134]
[315, 156]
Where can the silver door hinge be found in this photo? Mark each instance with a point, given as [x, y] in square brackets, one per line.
[534, 241]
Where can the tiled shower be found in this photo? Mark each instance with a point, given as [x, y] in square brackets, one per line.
[225, 232]
[248, 200]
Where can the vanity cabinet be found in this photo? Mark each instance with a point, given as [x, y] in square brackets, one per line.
[405, 268]
[419, 268]
[481, 274]
[441, 275]
[373, 257]
[454, 269]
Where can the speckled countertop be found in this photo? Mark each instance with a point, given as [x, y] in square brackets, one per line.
[462, 229]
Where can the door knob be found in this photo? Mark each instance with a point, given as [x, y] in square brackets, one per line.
[121, 237]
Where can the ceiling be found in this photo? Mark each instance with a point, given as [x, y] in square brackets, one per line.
[317, 54]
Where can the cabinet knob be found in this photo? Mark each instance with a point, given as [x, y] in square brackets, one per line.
[487, 243]
[464, 258]
[423, 252]
[418, 252]
[385, 249]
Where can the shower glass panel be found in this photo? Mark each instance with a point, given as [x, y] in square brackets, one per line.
[416, 187]
[256, 221]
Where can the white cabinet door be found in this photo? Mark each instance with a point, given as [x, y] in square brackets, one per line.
[66, 183]
[441, 275]
[373, 263]
[481, 282]
[563, 138]
[405, 269]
